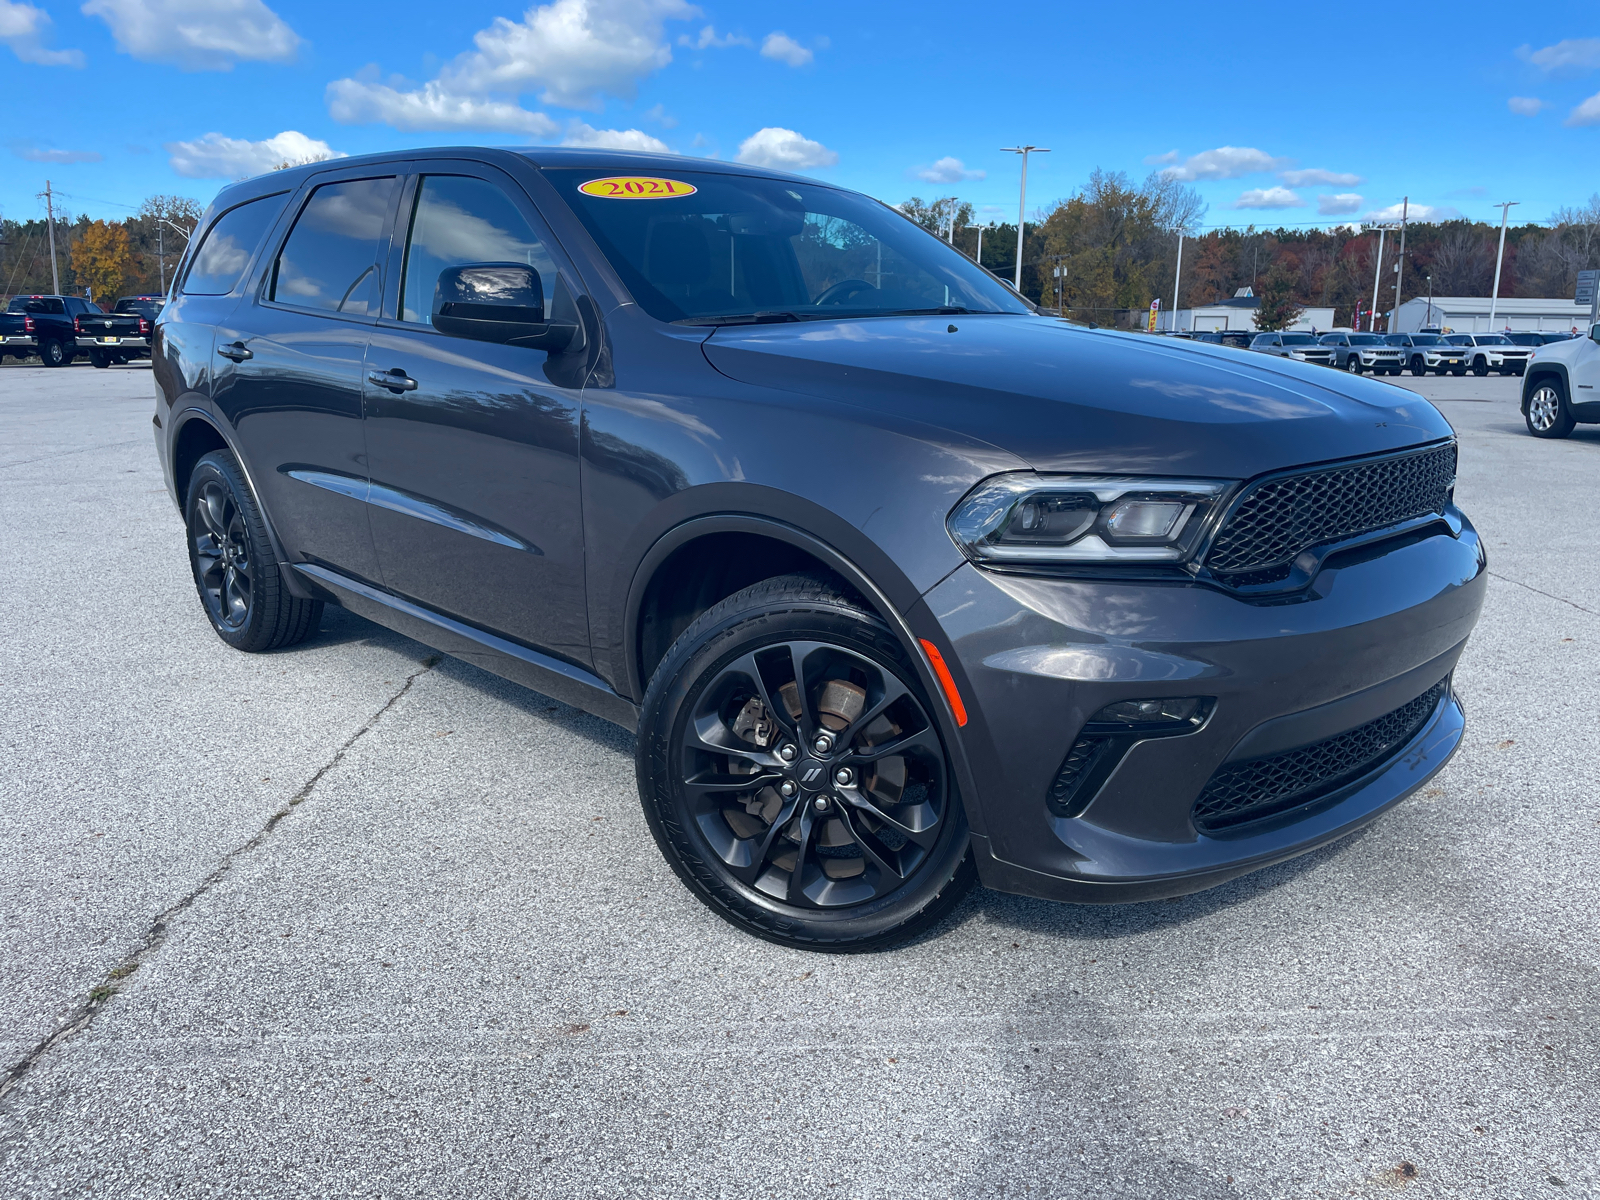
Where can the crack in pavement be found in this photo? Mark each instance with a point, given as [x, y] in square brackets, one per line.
[22, 462]
[89, 1007]
[1546, 595]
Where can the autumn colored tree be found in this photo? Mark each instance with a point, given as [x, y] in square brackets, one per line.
[1276, 289]
[102, 259]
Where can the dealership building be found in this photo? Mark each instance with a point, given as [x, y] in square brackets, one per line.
[1470, 314]
[1240, 313]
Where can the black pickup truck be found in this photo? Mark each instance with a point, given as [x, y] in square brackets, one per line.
[114, 336]
[43, 325]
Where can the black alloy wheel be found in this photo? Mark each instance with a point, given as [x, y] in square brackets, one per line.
[1547, 413]
[794, 775]
[51, 354]
[1480, 366]
[235, 569]
[1418, 367]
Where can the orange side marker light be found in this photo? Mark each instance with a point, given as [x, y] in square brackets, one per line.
[946, 680]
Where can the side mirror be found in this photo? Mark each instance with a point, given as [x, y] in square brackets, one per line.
[1594, 333]
[498, 302]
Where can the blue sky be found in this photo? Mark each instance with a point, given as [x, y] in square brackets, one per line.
[1277, 116]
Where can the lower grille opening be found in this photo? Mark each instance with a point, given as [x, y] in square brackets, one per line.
[1256, 788]
[1071, 790]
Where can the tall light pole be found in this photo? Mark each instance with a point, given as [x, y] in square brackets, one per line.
[1177, 275]
[980, 229]
[1494, 296]
[1022, 204]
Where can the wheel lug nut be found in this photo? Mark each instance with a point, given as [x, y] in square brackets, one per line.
[787, 789]
[788, 753]
[821, 804]
[824, 743]
[844, 777]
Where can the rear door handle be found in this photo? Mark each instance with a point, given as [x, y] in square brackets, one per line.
[238, 352]
[394, 379]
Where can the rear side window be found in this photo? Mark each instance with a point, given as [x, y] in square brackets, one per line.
[462, 220]
[330, 261]
[228, 246]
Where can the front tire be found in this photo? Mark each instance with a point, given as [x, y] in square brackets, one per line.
[1353, 365]
[1548, 414]
[235, 570]
[1418, 367]
[794, 776]
[1480, 368]
[100, 358]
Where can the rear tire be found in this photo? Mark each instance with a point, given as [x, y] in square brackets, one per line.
[886, 854]
[1548, 415]
[235, 570]
[51, 354]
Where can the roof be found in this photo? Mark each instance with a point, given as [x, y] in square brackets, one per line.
[1505, 306]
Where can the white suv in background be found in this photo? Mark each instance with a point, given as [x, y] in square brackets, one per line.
[1562, 386]
[1492, 352]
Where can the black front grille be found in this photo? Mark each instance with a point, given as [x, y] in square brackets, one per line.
[1280, 517]
[1262, 787]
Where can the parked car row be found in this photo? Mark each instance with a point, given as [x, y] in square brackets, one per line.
[59, 328]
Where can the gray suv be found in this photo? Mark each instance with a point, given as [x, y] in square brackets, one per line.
[901, 585]
[1302, 347]
[1358, 352]
[1426, 352]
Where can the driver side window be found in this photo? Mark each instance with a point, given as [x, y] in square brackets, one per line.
[458, 220]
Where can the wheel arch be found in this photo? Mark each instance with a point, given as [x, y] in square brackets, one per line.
[1537, 371]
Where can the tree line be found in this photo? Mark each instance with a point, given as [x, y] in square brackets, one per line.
[100, 259]
[1104, 253]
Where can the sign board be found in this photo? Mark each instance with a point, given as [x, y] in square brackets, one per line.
[1586, 286]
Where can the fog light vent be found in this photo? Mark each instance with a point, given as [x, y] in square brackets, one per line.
[1108, 735]
[1068, 795]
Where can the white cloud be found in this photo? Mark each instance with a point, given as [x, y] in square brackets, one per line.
[1225, 162]
[708, 38]
[580, 134]
[1272, 197]
[785, 49]
[1417, 214]
[948, 170]
[1587, 113]
[27, 150]
[217, 157]
[1525, 106]
[661, 116]
[1159, 160]
[1570, 54]
[1338, 206]
[197, 35]
[575, 50]
[24, 27]
[784, 149]
[1317, 177]
[365, 101]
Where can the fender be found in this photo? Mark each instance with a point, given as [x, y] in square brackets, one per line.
[291, 580]
[899, 621]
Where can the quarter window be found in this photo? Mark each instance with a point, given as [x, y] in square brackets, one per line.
[228, 245]
[460, 220]
[330, 261]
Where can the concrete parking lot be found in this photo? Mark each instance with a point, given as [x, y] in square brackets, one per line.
[354, 919]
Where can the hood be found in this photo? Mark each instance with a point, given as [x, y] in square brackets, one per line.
[1063, 398]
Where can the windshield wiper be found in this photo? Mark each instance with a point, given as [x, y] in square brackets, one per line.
[943, 310]
[755, 318]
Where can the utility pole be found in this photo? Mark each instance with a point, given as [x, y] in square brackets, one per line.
[1022, 204]
[161, 255]
[1494, 296]
[1400, 263]
[1177, 275]
[50, 226]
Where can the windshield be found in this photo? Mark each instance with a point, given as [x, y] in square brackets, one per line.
[1426, 339]
[1459, 339]
[1494, 339]
[1299, 339]
[1365, 339]
[43, 305]
[701, 247]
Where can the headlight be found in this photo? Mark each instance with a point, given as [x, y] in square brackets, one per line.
[1029, 518]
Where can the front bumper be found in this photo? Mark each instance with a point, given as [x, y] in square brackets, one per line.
[1445, 362]
[1036, 657]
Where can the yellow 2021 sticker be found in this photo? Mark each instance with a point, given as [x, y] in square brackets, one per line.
[637, 187]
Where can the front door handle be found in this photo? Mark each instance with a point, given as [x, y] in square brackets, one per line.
[238, 352]
[394, 379]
